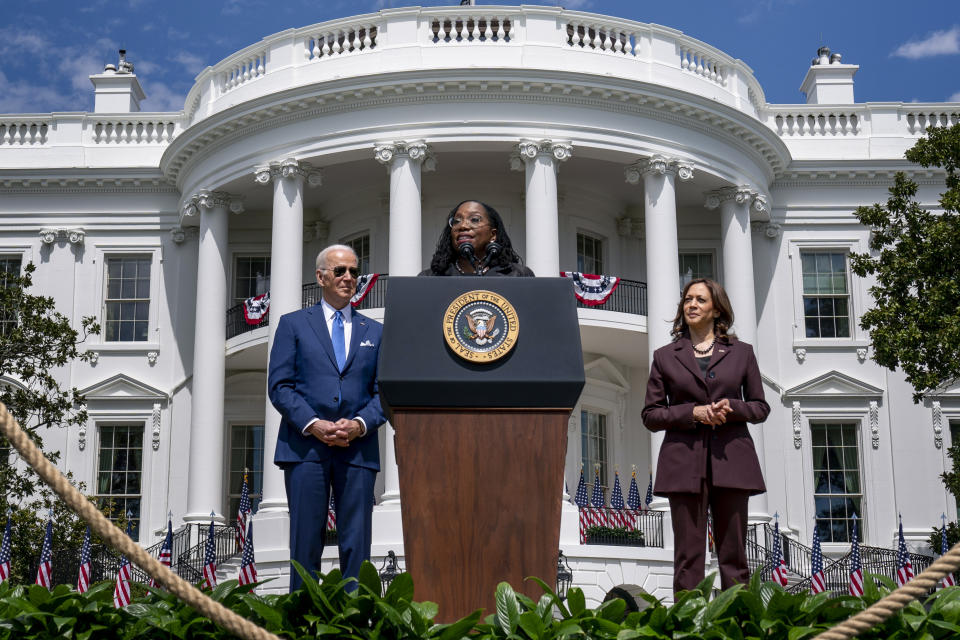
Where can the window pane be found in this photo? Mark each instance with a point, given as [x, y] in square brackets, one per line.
[837, 490]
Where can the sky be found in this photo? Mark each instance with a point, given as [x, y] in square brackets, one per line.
[907, 52]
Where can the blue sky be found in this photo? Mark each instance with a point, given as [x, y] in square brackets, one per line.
[906, 51]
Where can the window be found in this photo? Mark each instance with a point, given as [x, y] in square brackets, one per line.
[694, 266]
[120, 470]
[589, 254]
[593, 447]
[251, 277]
[826, 296]
[361, 245]
[246, 452]
[836, 479]
[128, 298]
[9, 266]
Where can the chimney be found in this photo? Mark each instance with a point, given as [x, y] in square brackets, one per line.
[117, 89]
[828, 81]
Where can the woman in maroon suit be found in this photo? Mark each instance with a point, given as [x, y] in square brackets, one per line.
[703, 389]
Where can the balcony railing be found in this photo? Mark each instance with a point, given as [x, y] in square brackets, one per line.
[630, 296]
[189, 565]
[623, 527]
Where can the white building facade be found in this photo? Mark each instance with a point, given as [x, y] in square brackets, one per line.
[608, 146]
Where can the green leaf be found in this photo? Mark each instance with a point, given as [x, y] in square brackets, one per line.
[508, 610]
[459, 629]
[370, 579]
[531, 624]
[270, 615]
[799, 633]
[401, 588]
[576, 600]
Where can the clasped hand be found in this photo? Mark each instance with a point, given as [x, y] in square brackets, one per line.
[334, 434]
[713, 414]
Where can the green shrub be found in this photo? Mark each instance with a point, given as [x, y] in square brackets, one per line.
[325, 608]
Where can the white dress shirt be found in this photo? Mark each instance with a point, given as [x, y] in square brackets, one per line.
[329, 313]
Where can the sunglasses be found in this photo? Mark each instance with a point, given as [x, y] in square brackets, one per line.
[339, 270]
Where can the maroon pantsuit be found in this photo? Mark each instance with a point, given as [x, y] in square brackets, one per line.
[700, 465]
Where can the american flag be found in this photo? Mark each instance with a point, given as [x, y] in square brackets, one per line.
[83, 577]
[619, 517]
[711, 542]
[121, 590]
[945, 581]
[248, 568]
[904, 566]
[45, 570]
[649, 498]
[633, 496]
[597, 502]
[818, 583]
[242, 512]
[209, 562]
[856, 567]
[165, 557]
[5, 553]
[331, 515]
[779, 566]
[583, 503]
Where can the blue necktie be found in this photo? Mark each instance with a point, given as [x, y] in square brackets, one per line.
[339, 343]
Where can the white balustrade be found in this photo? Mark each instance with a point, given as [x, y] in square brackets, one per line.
[23, 133]
[603, 37]
[473, 29]
[918, 121]
[702, 64]
[243, 70]
[133, 131]
[340, 40]
[817, 123]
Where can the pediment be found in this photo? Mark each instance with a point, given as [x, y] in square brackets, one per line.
[603, 371]
[122, 387]
[834, 384]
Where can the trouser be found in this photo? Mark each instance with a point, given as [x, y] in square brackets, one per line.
[309, 485]
[688, 512]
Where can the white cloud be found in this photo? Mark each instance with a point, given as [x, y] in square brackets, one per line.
[954, 98]
[177, 34]
[160, 97]
[192, 63]
[575, 4]
[938, 43]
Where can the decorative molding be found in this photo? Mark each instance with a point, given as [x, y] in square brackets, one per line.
[875, 424]
[156, 425]
[316, 230]
[797, 421]
[92, 184]
[528, 150]
[937, 424]
[288, 168]
[417, 150]
[768, 229]
[741, 195]
[861, 354]
[179, 235]
[658, 165]
[152, 357]
[761, 205]
[75, 236]
[207, 199]
[801, 354]
[834, 384]
[82, 433]
[94, 358]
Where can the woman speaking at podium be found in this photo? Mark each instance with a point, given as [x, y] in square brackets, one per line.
[474, 242]
[703, 389]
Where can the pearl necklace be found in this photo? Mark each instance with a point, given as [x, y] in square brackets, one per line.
[705, 350]
[456, 263]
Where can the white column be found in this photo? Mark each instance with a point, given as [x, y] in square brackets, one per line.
[541, 161]
[663, 260]
[404, 160]
[207, 453]
[286, 295]
[737, 242]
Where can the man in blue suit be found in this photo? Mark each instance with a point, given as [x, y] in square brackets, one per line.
[323, 381]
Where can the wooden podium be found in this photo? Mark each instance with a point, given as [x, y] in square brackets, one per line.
[480, 445]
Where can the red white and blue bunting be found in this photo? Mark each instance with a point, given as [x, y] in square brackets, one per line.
[364, 284]
[255, 309]
[591, 290]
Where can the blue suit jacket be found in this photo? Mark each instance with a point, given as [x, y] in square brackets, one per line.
[304, 383]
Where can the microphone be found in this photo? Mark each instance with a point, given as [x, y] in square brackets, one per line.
[466, 251]
[493, 250]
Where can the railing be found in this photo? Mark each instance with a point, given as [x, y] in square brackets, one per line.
[630, 296]
[623, 527]
[105, 562]
[473, 29]
[133, 130]
[603, 35]
[189, 565]
[817, 122]
[24, 132]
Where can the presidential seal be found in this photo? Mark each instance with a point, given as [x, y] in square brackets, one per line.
[480, 326]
